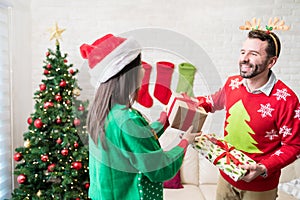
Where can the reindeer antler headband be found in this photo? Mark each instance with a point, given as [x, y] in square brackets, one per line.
[273, 24]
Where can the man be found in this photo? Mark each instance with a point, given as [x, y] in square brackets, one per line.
[262, 119]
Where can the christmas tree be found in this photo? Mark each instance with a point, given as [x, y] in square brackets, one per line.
[53, 164]
[238, 129]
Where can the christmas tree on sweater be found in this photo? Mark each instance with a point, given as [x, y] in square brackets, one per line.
[53, 163]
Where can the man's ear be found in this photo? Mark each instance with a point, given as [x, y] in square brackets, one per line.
[272, 62]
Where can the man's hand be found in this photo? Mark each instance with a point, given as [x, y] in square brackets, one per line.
[202, 102]
[163, 119]
[254, 170]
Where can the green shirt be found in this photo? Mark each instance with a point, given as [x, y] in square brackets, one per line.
[133, 166]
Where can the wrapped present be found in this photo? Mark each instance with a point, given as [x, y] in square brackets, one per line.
[223, 155]
[183, 112]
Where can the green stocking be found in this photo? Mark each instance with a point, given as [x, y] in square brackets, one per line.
[186, 78]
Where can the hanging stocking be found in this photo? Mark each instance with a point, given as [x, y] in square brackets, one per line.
[186, 78]
[144, 97]
[163, 81]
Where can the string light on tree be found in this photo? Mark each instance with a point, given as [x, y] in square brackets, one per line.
[27, 143]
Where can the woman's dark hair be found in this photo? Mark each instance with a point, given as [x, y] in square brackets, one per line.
[119, 89]
[264, 36]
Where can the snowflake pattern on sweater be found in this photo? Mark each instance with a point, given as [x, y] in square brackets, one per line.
[297, 113]
[265, 110]
[282, 94]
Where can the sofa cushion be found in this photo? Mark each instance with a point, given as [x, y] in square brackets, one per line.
[290, 172]
[169, 139]
[208, 172]
[188, 192]
[208, 190]
[190, 167]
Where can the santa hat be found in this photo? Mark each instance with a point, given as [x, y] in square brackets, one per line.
[108, 55]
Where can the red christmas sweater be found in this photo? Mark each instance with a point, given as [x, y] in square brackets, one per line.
[266, 127]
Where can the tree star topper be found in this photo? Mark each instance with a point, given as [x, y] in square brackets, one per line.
[56, 32]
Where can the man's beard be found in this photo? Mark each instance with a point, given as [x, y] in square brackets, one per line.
[256, 69]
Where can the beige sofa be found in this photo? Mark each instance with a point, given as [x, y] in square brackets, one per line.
[199, 176]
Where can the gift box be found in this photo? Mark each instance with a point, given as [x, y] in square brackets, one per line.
[183, 112]
[223, 155]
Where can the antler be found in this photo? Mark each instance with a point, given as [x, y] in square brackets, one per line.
[277, 26]
[251, 25]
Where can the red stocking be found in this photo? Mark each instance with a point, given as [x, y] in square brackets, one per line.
[144, 97]
[163, 81]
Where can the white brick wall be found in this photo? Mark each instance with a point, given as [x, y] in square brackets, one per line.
[213, 25]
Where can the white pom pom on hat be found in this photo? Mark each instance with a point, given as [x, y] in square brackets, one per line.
[108, 55]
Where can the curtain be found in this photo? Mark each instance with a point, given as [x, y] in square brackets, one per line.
[5, 105]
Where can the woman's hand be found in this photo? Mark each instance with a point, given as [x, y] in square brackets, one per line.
[189, 136]
[163, 119]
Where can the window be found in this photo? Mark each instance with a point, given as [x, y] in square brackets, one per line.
[5, 105]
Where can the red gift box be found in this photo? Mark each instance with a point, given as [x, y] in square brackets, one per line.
[183, 111]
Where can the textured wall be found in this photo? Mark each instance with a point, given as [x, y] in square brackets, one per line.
[210, 25]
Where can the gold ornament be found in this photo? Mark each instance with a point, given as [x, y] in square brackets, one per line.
[76, 92]
[27, 143]
[39, 193]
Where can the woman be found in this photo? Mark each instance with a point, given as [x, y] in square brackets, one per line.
[125, 160]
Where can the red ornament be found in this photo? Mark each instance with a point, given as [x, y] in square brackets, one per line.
[51, 167]
[76, 145]
[47, 53]
[49, 66]
[38, 123]
[81, 108]
[22, 178]
[76, 122]
[18, 156]
[29, 120]
[58, 120]
[76, 165]
[64, 152]
[59, 141]
[68, 102]
[63, 83]
[44, 158]
[77, 198]
[71, 71]
[42, 87]
[46, 72]
[58, 97]
[65, 60]
[48, 104]
[87, 185]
